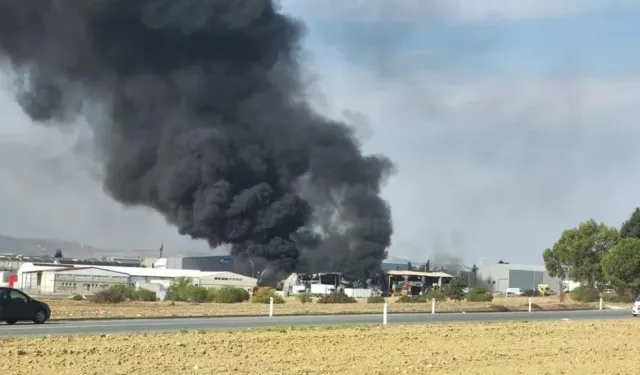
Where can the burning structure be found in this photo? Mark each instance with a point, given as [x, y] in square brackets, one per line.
[326, 283]
[392, 282]
[198, 111]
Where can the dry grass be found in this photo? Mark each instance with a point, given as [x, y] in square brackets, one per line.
[68, 309]
[572, 347]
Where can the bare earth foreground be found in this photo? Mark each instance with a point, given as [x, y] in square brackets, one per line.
[562, 347]
[69, 309]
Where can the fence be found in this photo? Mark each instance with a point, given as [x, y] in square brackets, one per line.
[385, 308]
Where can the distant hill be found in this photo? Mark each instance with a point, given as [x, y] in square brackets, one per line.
[37, 246]
[71, 249]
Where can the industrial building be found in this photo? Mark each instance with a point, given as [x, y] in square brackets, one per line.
[500, 276]
[86, 279]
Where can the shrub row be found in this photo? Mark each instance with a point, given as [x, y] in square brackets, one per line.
[187, 293]
[336, 297]
[265, 295]
[196, 293]
[585, 294]
[183, 290]
[589, 294]
[121, 293]
[476, 294]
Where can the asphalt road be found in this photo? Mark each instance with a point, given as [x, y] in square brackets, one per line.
[177, 324]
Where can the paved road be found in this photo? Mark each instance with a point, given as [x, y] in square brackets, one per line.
[164, 325]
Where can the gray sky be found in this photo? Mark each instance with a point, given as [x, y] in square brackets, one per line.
[494, 160]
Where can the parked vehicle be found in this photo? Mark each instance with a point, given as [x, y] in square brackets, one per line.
[635, 310]
[514, 292]
[16, 306]
[544, 290]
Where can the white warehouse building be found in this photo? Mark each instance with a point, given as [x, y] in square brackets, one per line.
[83, 279]
[500, 276]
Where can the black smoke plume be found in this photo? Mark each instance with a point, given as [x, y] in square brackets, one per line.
[207, 123]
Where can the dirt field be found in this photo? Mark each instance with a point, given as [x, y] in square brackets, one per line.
[562, 347]
[68, 309]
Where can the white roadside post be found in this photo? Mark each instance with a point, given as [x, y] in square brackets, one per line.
[271, 307]
[433, 305]
[601, 303]
[529, 304]
[384, 314]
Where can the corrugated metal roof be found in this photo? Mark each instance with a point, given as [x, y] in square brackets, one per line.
[157, 272]
[418, 273]
[131, 271]
[50, 259]
[72, 268]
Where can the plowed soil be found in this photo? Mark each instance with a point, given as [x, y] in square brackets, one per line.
[560, 347]
[69, 309]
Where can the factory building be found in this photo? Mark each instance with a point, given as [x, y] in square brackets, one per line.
[82, 279]
[500, 276]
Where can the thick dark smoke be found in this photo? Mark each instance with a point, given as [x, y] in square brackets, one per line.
[207, 123]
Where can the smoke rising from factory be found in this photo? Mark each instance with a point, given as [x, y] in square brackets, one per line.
[207, 123]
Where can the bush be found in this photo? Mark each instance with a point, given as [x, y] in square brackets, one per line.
[412, 299]
[455, 289]
[439, 296]
[376, 299]
[617, 298]
[228, 294]
[146, 295]
[113, 294]
[479, 294]
[77, 297]
[198, 294]
[477, 290]
[336, 297]
[479, 297]
[305, 297]
[179, 290]
[126, 291]
[264, 295]
[585, 294]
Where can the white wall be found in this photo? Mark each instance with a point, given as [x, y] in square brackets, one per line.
[358, 293]
[227, 279]
[48, 282]
[91, 272]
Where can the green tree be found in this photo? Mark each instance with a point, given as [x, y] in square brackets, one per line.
[556, 264]
[579, 252]
[621, 266]
[631, 227]
[454, 289]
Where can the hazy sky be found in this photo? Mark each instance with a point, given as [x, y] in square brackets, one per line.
[508, 123]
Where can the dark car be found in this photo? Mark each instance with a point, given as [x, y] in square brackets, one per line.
[16, 306]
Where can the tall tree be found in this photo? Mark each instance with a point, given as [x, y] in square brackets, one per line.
[579, 251]
[631, 227]
[621, 266]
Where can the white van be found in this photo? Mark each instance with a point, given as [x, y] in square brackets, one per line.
[514, 292]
